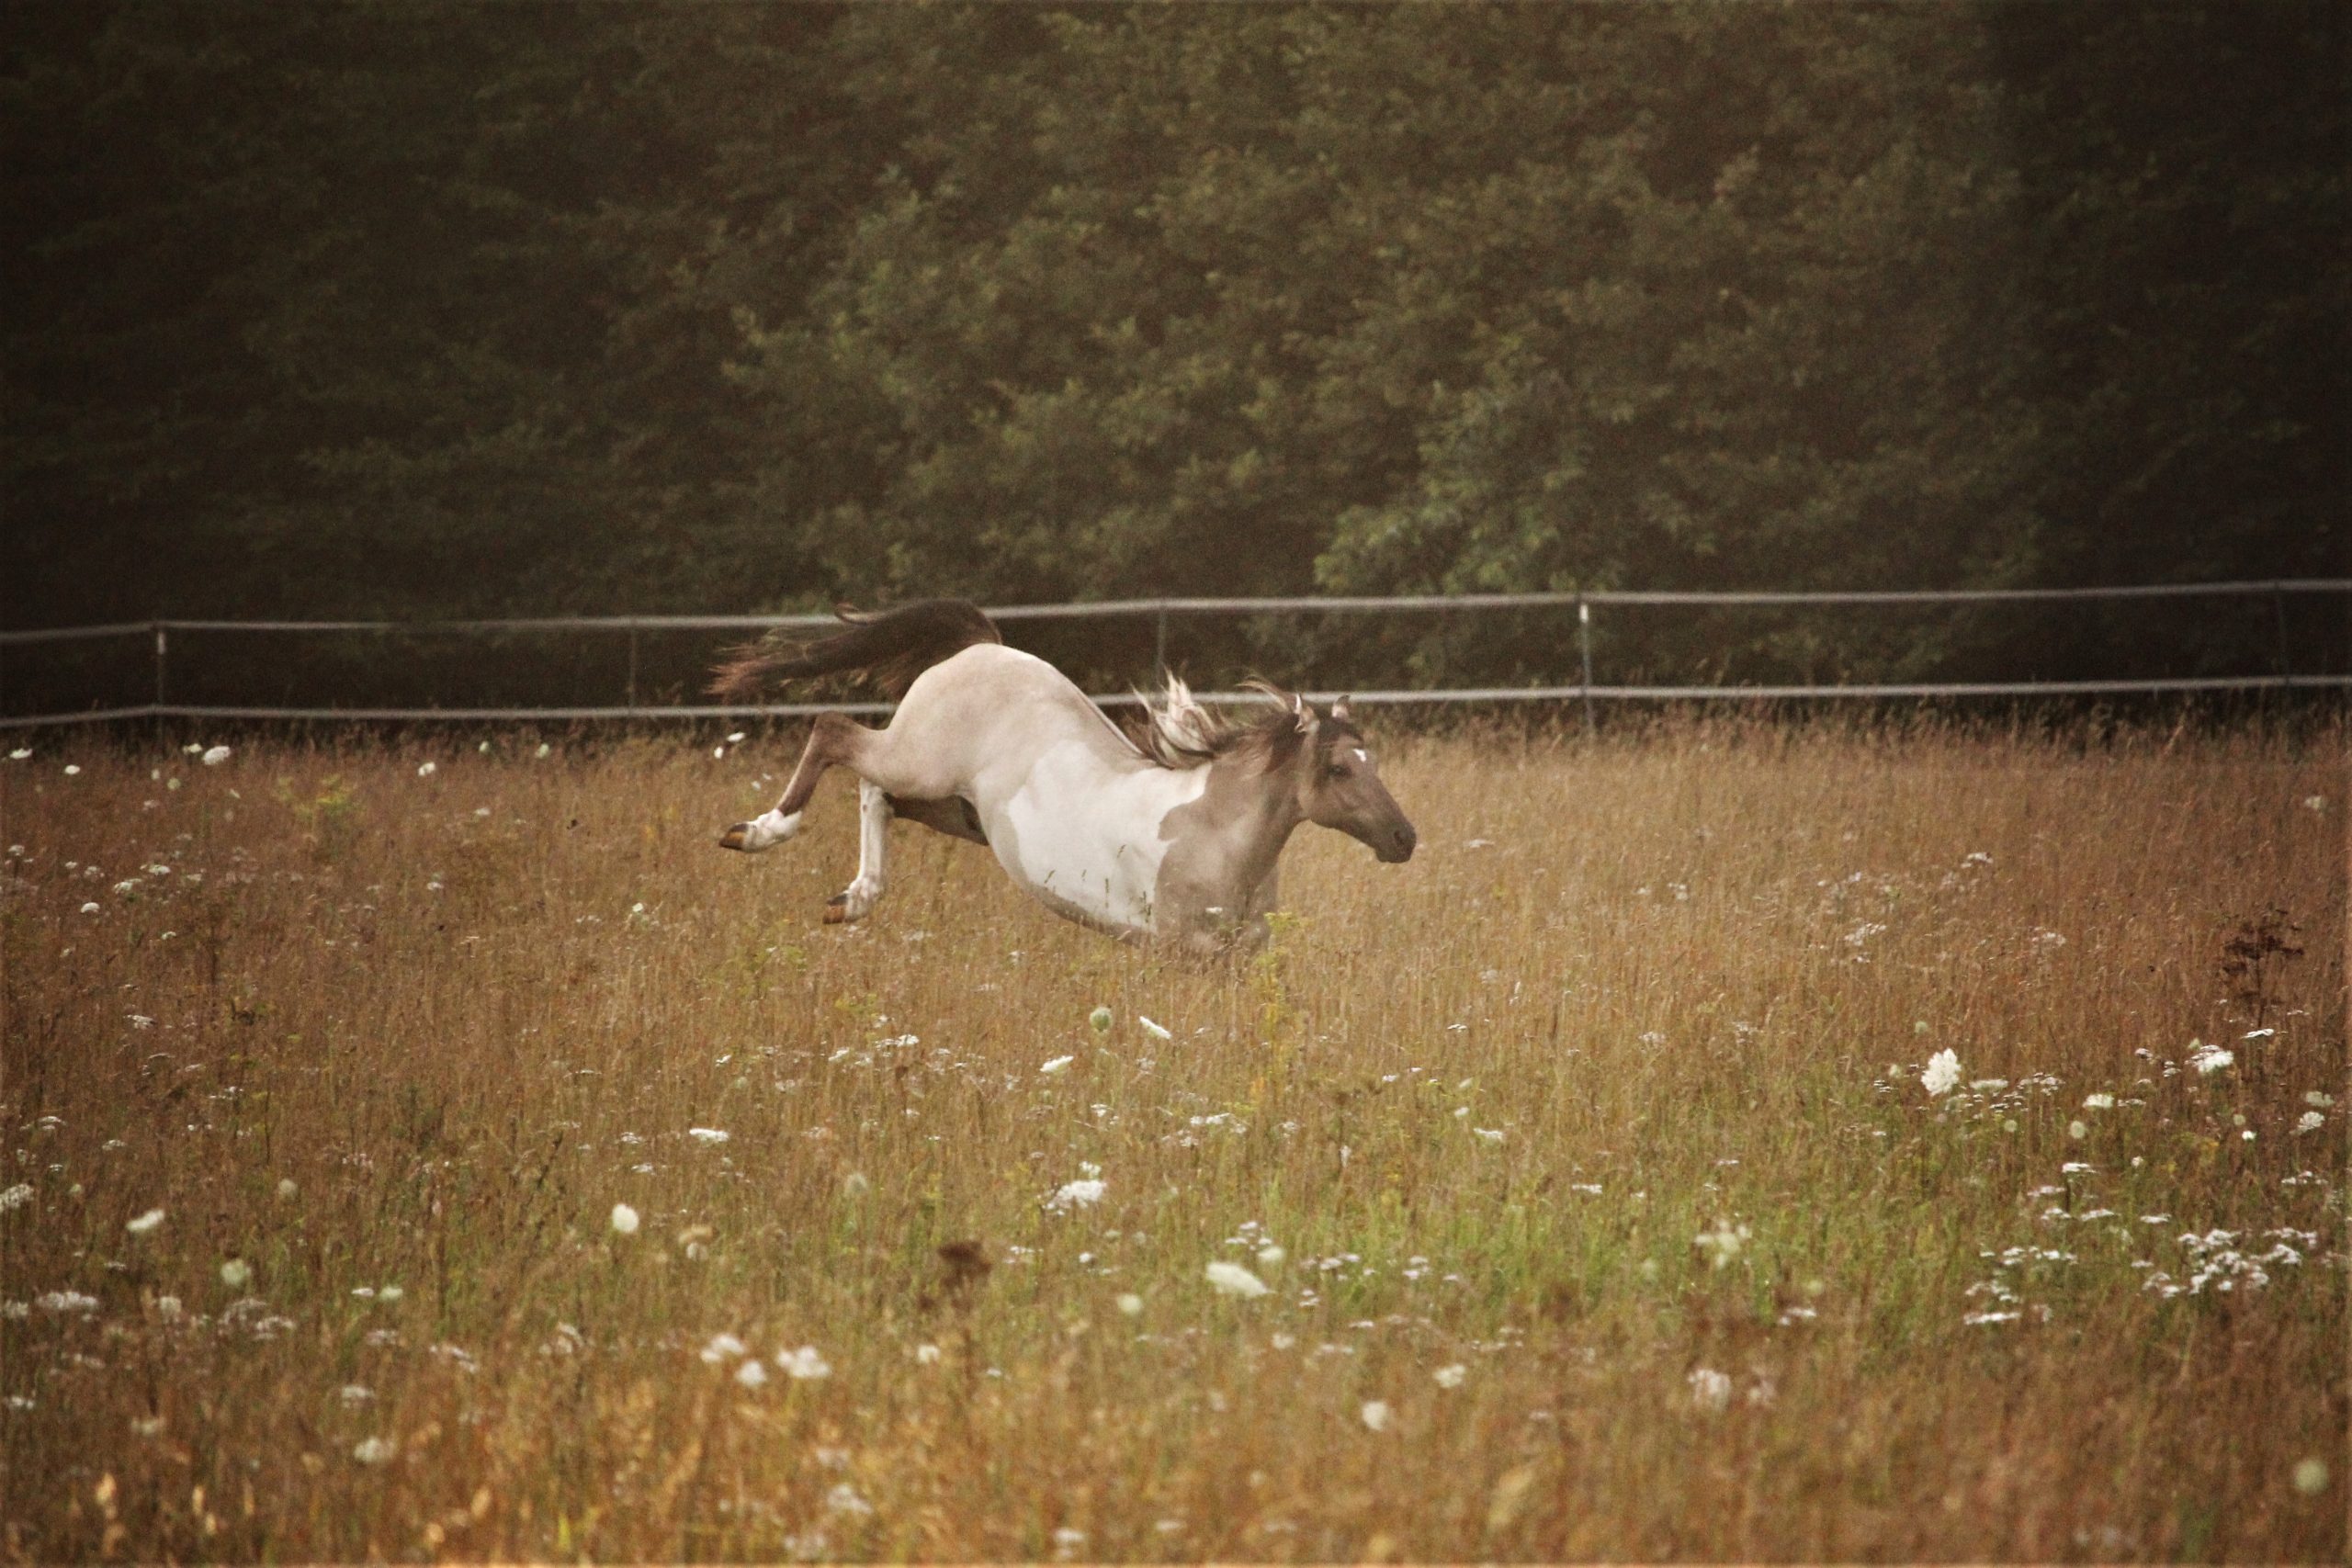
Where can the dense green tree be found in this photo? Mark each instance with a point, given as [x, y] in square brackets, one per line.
[414, 309]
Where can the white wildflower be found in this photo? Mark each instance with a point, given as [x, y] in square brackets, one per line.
[543, 752]
[803, 1365]
[2310, 1474]
[623, 1220]
[1081, 1194]
[1709, 1390]
[15, 1196]
[72, 769]
[2078, 1131]
[1376, 1414]
[1059, 1063]
[1943, 1071]
[706, 1135]
[235, 1274]
[1232, 1279]
[287, 1188]
[2311, 1122]
[843, 1499]
[1270, 1256]
[1450, 1376]
[1491, 1134]
[2098, 1102]
[1158, 1031]
[1131, 1303]
[144, 1223]
[214, 756]
[89, 909]
[353, 1393]
[927, 1355]
[751, 1374]
[66, 1300]
[2208, 1059]
[426, 770]
[1724, 1242]
[373, 1450]
[722, 1348]
[20, 753]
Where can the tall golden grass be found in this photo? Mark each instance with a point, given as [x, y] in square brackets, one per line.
[1586, 1159]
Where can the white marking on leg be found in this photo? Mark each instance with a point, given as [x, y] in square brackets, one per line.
[873, 844]
[764, 831]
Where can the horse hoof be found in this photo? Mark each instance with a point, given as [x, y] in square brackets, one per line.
[760, 832]
[837, 909]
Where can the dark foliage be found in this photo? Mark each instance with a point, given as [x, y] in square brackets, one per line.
[412, 309]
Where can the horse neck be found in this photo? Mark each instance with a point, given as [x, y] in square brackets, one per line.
[1259, 811]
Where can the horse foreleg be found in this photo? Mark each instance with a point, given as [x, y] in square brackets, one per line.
[857, 900]
[835, 739]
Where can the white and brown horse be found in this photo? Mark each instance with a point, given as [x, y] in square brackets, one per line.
[1171, 836]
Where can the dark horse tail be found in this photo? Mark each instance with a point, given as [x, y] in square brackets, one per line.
[889, 647]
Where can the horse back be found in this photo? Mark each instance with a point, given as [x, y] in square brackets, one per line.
[995, 710]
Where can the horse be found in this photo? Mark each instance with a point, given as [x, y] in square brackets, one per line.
[1168, 836]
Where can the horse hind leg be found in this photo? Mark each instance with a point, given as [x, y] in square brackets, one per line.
[835, 739]
[857, 900]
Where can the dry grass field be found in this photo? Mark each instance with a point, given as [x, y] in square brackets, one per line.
[422, 1151]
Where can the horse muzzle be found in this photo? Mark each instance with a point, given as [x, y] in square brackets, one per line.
[1394, 848]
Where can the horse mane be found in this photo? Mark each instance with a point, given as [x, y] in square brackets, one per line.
[1178, 733]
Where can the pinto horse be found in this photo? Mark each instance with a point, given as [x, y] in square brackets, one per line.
[1170, 836]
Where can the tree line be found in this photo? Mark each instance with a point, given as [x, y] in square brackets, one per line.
[415, 310]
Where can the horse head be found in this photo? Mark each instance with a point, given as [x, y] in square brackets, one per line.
[1339, 783]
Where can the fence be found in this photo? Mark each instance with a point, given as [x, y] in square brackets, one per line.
[1583, 690]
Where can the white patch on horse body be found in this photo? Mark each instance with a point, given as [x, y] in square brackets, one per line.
[1087, 834]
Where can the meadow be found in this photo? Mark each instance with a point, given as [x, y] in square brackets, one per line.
[441, 1149]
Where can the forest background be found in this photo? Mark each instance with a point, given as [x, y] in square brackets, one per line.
[408, 310]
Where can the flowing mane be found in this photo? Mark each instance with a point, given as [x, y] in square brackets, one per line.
[1178, 733]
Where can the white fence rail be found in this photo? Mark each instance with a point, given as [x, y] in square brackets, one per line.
[1160, 610]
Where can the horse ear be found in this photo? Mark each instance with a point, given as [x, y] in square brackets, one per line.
[1302, 715]
[1340, 710]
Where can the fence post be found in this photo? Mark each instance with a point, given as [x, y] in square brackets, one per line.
[2279, 615]
[631, 701]
[1159, 643]
[163, 667]
[1584, 650]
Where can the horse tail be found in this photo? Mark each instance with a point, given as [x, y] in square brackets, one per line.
[889, 647]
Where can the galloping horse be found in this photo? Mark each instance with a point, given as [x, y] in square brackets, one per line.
[1171, 836]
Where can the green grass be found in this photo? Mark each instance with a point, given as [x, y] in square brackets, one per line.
[416, 1030]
